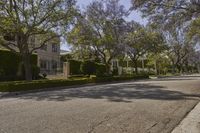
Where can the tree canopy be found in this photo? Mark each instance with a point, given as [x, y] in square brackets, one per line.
[22, 20]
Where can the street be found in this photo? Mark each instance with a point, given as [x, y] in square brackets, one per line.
[148, 106]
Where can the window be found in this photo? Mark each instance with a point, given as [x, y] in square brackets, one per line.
[54, 48]
[44, 47]
[43, 64]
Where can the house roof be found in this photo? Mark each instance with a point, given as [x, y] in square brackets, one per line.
[63, 52]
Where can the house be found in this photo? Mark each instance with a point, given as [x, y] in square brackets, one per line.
[48, 56]
[49, 59]
[126, 66]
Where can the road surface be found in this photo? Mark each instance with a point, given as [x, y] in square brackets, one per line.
[149, 106]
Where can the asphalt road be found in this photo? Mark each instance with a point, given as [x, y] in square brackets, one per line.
[151, 106]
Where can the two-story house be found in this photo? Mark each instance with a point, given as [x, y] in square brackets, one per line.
[48, 56]
[49, 59]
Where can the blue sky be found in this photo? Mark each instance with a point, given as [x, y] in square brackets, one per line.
[127, 3]
[136, 16]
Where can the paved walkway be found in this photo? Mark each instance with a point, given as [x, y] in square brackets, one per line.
[191, 123]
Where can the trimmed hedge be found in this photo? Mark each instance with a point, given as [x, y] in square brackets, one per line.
[10, 63]
[75, 67]
[88, 67]
[100, 70]
[41, 84]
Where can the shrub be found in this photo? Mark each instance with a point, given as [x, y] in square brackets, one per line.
[100, 70]
[9, 65]
[44, 75]
[115, 72]
[2, 73]
[41, 84]
[35, 72]
[75, 67]
[88, 67]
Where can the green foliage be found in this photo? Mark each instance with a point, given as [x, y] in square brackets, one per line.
[102, 28]
[131, 64]
[33, 19]
[40, 84]
[35, 72]
[43, 84]
[88, 67]
[194, 29]
[161, 61]
[100, 70]
[181, 11]
[75, 67]
[65, 58]
[115, 72]
[10, 65]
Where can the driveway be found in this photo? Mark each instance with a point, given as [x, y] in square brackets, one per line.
[149, 106]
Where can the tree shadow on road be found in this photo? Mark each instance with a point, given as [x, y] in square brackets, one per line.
[114, 93]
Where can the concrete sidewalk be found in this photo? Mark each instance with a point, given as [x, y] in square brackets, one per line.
[191, 123]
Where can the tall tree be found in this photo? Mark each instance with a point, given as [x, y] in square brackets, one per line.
[102, 27]
[179, 48]
[141, 40]
[167, 12]
[21, 20]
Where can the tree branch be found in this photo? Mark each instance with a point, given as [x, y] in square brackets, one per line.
[44, 42]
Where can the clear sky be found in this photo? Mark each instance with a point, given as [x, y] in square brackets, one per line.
[136, 16]
[127, 3]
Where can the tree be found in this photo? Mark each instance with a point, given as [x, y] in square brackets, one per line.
[102, 28]
[140, 40]
[88, 67]
[80, 37]
[179, 48]
[174, 15]
[23, 20]
[159, 61]
[66, 57]
[194, 31]
[168, 12]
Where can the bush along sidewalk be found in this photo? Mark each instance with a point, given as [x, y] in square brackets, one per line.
[42, 84]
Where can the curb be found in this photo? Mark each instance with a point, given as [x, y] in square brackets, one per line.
[191, 123]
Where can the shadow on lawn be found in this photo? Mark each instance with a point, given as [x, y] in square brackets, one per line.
[114, 93]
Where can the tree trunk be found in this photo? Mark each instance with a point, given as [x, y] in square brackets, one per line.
[108, 67]
[179, 69]
[156, 67]
[136, 66]
[26, 58]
